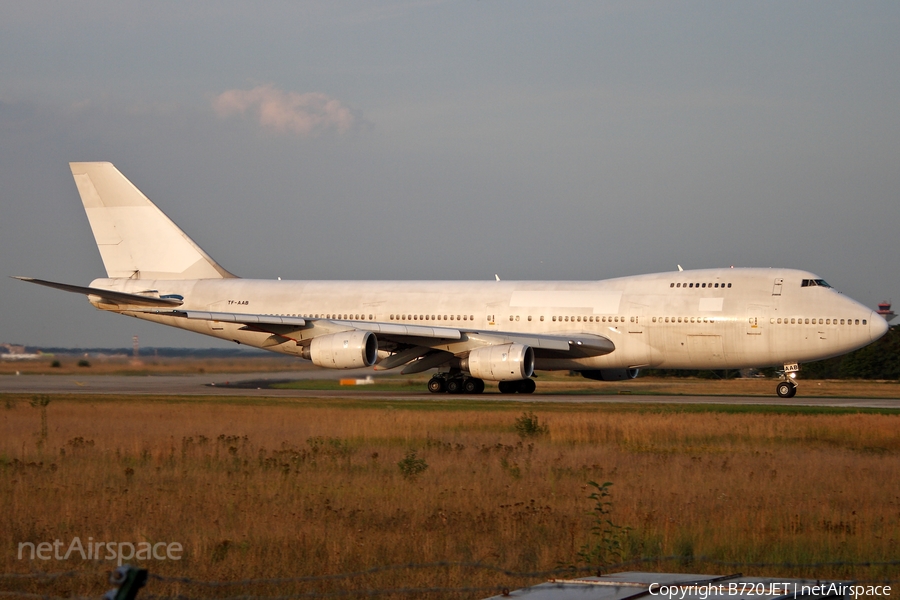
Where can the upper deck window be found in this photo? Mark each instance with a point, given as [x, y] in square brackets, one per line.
[814, 283]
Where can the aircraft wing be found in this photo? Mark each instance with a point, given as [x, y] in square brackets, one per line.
[280, 325]
[418, 344]
[417, 347]
[111, 297]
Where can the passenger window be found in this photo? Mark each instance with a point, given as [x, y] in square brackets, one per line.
[704, 285]
[553, 318]
[510, 317]
[517, 317]
[671, 285]
[529, 317]
[842, 321]
[729, 285]
[864, 321]
[679, 285]
[857, 322]
[542, 317]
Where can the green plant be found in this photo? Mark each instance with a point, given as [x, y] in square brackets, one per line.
[55, 364]
[83, 363]
[412, 466]
[606, 543]
[528, 426]
[41, 402]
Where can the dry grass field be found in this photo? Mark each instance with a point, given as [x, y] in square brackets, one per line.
[286, 488]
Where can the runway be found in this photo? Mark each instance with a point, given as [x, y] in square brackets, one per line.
[252, 385]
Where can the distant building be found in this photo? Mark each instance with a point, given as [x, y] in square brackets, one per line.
[884, 309]
[16, 352]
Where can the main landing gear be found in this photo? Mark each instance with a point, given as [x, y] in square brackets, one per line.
[522, 386]
[788, 387]
[458, 384]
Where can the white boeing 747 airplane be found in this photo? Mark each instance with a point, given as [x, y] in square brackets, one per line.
[470, 331]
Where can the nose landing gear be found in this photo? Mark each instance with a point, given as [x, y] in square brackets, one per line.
[788, 387]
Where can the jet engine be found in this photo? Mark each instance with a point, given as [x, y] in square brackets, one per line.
[610, 374]
[504, 362]
[344, 350]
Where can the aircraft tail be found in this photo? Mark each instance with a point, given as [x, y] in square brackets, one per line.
[135, 238]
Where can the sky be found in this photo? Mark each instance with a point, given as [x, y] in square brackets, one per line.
[450, 140]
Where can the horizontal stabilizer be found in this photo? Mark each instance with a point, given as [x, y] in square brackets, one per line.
[110, 296]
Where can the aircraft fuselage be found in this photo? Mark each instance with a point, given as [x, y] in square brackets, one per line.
[703, 319]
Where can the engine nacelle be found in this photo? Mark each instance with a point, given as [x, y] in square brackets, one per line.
[610, 374]
[505, 362]
[344, 350]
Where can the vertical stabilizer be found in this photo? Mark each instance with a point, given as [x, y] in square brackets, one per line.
[135, 238]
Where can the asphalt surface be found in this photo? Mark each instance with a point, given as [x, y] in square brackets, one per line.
[253, 385]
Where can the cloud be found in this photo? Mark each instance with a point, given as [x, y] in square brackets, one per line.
[306, 114]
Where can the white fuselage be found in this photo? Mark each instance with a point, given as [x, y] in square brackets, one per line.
[703, 319]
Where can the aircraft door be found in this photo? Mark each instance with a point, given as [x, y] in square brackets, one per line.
[776, 289]
[638, 335]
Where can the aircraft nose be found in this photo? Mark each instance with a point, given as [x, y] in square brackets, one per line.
[877, 326]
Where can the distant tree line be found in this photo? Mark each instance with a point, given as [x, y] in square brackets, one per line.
[161, 352]
[879, 360]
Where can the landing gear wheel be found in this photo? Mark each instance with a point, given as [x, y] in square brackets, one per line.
[786, 389]
[473, 385]
[507, 387]
[525, 386]
[437, 385]
[455, 386]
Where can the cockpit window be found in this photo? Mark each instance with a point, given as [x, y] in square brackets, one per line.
[814, 282]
